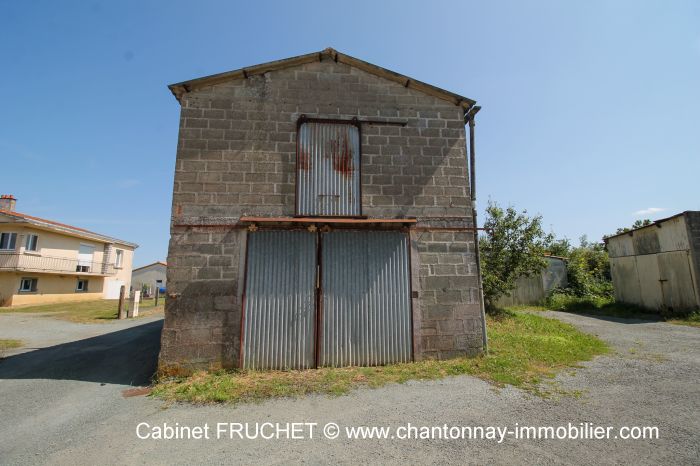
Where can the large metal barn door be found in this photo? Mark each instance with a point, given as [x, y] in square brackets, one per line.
[366, 310]
[279, 321]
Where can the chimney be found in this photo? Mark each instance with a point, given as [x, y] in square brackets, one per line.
[7, 202]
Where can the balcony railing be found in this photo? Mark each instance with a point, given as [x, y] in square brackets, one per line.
[47, 264]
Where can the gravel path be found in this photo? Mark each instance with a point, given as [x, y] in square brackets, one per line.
[64, 405]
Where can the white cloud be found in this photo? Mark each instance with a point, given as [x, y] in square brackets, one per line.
[128, 183]
[650, 211]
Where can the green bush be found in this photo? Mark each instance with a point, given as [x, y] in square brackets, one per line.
[588, 271]
[588, 275]
[513, 247]
[563, 300]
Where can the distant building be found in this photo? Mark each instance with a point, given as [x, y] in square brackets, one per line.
[534, 289]
[149, 277]
[657, 266]
[43, 261]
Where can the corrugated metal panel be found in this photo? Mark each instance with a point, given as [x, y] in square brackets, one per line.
[280, 309]
[366, 312]
[328, 169]
[673, 235]
[625, 279]
[621, 246]
[528, 290]
[646, 241]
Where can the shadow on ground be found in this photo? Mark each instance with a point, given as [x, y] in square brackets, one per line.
[124, 357]
[644, 319]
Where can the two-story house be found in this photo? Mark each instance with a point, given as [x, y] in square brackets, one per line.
[323, 215]
[43, 261]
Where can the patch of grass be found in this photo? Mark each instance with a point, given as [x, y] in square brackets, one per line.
[692, 320]
[524, 349]
[522, 307]
[9, 343]
[6, 344]
[601, 306]
[103, 310]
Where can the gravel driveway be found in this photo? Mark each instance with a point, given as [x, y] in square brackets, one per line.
[64, 405]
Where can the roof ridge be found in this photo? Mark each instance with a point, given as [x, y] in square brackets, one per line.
[13, 213]
[181, 88]
[148, 265]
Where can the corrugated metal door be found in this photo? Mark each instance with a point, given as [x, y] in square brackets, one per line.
[366, 310]
[279, 322]
[676, 281]
[328, 169]
[650, 292]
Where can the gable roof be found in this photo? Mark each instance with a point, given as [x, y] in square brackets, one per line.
[656, 223]
[181, 88]
[150, 265]
[63, 228]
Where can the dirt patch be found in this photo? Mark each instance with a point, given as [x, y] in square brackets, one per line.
[137, 391]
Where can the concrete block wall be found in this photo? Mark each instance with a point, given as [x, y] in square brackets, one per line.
[203, 304]
[692, 222]
[237, 144]
[236, 156]
[451, 324]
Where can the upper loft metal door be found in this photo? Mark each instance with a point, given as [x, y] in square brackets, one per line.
[328, 169]
[366, 309]
[279, 320]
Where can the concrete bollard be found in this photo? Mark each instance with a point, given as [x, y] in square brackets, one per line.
[135, 305]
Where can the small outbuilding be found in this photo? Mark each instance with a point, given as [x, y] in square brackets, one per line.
[657, 266]
[149, 278]
[535, 288]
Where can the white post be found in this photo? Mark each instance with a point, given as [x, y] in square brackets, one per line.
[135, 306]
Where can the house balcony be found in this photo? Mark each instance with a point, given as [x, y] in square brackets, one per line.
[14, 262]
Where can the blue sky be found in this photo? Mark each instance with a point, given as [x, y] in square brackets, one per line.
[591, 110]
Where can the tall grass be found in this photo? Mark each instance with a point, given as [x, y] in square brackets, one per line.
[524, 350]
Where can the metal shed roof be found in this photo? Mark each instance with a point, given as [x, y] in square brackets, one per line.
[656, 223]
[178, 89]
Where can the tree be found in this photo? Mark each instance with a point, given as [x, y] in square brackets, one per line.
[559, 247]
[513, 246]
[635, 225]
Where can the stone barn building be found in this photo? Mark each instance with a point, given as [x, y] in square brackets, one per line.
[322, 216]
